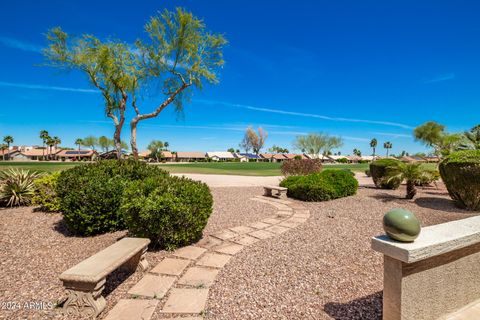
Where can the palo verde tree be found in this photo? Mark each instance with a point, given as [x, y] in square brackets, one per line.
[110, 67]
[181, 54]
[315, 144]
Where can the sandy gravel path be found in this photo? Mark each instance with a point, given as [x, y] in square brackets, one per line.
[218, 180]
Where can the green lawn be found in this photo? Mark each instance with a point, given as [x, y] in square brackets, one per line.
[233, 168]
[37, 165]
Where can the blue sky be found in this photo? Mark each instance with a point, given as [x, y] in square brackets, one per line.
[358, 69]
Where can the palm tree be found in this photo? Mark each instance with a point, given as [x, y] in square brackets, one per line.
[44, 136]
[78, 142]
[56, 141]
[8, 140]
[3, 147]
[473, 136]
[50, 143]
[411, 172]
[373, 145]
[357, 152]
[166, 145]
[387, 145]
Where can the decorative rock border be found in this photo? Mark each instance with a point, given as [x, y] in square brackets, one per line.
[179, 283]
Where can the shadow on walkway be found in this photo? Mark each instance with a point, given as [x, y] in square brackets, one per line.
[369, 307]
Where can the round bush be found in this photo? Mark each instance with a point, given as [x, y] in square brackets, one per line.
[171, 212]
[44, 195]
[91, 194]
[323, 186]
[378, 170]
[460, 172]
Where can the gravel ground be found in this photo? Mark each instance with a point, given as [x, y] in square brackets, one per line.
[36, 248]
[323, 269]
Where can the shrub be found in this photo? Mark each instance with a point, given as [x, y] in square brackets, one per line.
[44, 195]
[428, 177]
[323, 186]
[460, 172]
[367, 173]
[378, 171]
[171, 211]
[342, 160]
[301, 167]
[16, 187]
[91, 194]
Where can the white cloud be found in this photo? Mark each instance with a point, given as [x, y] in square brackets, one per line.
[42, 87]
[18, 44]
[440, 78]
[308, 115]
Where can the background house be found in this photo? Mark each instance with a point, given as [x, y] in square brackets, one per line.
[183, 156]
[220, 156]
[72, 155]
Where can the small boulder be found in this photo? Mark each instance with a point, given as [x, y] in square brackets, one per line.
[401, 225]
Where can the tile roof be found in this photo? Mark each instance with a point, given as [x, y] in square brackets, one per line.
[190, 154]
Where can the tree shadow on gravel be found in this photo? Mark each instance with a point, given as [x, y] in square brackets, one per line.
[386, 197]
[439, 204]
[61, 227]
[369, 307]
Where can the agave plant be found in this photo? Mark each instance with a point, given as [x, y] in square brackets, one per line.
[17, 186]
[411, 172]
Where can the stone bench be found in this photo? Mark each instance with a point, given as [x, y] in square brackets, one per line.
[85, 281]
[279, 190]
[435, 277]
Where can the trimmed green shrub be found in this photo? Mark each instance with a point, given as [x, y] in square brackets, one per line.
[171, 211]
[301, 167]
[323, 186]
[44, 195]
[367, 173]
[91, 194]
[460, 172]
[378, 171]
[342, 160]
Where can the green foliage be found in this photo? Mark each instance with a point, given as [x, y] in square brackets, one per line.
[411, 172]
[367, 173]
[428, 177]
[473, 137]
[44, 194]
[155, 147]
[342, 160]
[323, 186]
[170, 211]
[301, 166]
[16, 187]
[433, 135]
[90, 195]
[316, 143]
[378, 171]
[460, 172]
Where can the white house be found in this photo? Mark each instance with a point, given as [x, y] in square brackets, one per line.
[220, 156]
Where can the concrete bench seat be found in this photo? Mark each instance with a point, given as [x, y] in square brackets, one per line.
[279, 190]
[85, 281]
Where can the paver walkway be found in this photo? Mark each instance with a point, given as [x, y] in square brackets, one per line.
[179, 284]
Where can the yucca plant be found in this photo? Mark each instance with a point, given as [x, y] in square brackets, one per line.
[17, 187]
[411, 172]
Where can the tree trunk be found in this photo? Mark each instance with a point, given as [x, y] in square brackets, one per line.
[373, 153]
[139, 117]
[387, 152]
[133, 137]
[411, 190]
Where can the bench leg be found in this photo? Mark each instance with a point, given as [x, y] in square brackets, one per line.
[84, 300]
[267, 192]
[136, 261]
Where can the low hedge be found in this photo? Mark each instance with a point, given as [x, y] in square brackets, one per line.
[44, 195]
[378, 172]
[171, 211]
[323, 186]
[460, 172]
[90, 195]
[301, 167]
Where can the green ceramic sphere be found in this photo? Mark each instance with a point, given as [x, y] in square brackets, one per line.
[401, 225]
